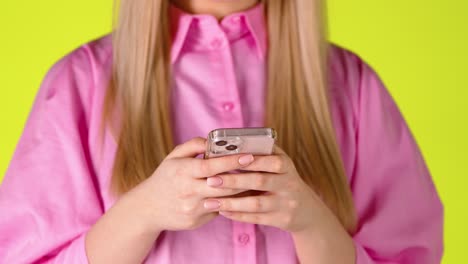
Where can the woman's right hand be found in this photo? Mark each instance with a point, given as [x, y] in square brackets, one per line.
[172, 198]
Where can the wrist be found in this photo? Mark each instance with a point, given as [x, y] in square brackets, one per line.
[141, 218]
[322, 240]
[129, 230]
[309, 236]
[313, 246]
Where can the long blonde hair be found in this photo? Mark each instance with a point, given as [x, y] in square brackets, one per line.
[298, 105]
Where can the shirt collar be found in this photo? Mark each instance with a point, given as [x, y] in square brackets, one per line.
[181, 23]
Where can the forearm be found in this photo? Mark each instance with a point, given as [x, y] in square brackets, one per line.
[328, 247]
[120, 236]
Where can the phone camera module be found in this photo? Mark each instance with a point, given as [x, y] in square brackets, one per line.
[221, 143]
[231, 147]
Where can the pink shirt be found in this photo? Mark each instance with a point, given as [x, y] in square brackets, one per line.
[56, 186]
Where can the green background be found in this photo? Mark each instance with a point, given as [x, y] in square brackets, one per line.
[419, 48]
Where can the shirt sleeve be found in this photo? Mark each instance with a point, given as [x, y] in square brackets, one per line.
[400, 213]
[49, 197]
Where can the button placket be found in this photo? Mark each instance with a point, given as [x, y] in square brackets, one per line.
[245, 248]
[226, 82]
[232, 106]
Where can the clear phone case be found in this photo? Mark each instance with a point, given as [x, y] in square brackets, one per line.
[231, 141]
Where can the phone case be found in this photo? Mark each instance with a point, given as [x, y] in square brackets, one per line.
[231, 141]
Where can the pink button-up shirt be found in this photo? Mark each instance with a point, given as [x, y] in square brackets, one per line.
[57, 185]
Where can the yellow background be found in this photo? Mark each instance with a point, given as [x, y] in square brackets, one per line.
[419, 48]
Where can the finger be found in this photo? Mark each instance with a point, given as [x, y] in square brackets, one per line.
[204, 168]
[259, 181]
[278, 150]
[206, 217]
[188, 149]
[206, 191]
[252, 204]
[253, 218]
[271, 163]
[195, 214]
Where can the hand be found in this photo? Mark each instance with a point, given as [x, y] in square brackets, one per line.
[288, 202]
[172, 198]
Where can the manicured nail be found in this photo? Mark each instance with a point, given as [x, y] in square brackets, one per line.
[214, 181]
[246, 160]
[211, 204]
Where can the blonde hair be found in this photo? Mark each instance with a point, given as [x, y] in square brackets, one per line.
[298, 104]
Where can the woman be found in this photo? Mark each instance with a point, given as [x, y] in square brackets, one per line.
[95, 177]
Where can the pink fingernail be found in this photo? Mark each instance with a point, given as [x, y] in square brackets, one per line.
[246, 160]
[211, 204]
[214, 181]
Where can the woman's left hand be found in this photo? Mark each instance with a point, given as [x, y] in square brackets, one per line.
[288, 202]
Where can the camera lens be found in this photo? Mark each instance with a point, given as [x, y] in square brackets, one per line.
[231, 147]
[221, 143]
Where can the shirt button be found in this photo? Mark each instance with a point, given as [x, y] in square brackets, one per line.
[243, 239]
[216, 43]
[228, 106]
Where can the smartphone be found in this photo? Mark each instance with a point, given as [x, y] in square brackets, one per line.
[231, 141]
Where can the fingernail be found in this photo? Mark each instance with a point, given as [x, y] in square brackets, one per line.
[211, 204]
[246, 160]
[214, 181]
